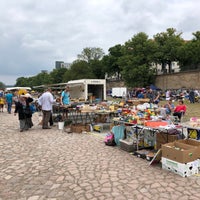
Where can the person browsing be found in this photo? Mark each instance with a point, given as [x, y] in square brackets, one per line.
[9, 101]
[46, 101]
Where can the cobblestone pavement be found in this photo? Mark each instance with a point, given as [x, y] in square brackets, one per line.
[51, 164]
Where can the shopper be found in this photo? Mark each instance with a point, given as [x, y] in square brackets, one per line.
[2, 100]
[192, 96]
[9, 101]
[167, 95]
[153, 96]
[22, 107]
[46, 101]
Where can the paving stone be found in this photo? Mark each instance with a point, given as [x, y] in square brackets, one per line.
[50, 165]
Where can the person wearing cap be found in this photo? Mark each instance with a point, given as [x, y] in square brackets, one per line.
[22, 107]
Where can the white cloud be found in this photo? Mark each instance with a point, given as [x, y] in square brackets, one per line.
[34, 34]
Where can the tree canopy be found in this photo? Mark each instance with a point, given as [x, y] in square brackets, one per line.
[132, 61]
[2, 85]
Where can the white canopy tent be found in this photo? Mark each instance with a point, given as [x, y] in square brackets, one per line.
[17, 88]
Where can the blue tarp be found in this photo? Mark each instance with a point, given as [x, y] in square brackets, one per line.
[153, 87]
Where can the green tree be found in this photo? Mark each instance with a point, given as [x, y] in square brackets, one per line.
[97, 69]
[79, 70]
[2, 85]
[22, 82]
[91, 53]
[168, 45]
[111, 61]
[39, 79]
[92, 67]
[136, 62]
[43, 78]
[57, 75]
[189, 53]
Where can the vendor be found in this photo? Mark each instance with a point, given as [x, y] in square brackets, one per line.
[169, 107]
[65, 100]
[180, 109]
[65, 96]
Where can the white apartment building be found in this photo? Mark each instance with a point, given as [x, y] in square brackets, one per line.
[175, 68]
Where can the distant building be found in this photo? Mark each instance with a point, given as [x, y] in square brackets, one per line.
[174, 68]
[61, 64]
[65, 65]
[58, 64]
[44, 71]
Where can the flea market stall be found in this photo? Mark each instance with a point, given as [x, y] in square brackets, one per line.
[88, 89]
[142, 132]
[138, 128]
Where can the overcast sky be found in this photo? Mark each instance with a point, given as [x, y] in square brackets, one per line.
[36, 33]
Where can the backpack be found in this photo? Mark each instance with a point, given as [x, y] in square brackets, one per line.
[110, 139]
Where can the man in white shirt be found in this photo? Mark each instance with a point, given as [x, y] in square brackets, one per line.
[168, 95]
[46, 101]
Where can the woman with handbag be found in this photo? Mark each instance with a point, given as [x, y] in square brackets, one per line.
[22, 107]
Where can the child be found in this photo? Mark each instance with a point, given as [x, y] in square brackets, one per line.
[2, 102]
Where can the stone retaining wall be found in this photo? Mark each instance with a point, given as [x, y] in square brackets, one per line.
[169, 81]
[179, 80]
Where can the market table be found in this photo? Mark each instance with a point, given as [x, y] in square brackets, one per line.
[74, 113]
[150, 134]
[193, 129]
[103, 116]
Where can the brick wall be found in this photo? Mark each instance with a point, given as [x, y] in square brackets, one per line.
[169, 81]
[111, 84]
[179, 80]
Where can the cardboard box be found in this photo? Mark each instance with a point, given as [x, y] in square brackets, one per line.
[184, 170]
[79, 128]
[163, 138]
[192, 142]
[179, 152]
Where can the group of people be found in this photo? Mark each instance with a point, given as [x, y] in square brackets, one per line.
[6, 98]
[46, 101]
[152, 95]
[170, 109]
[24, 109]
